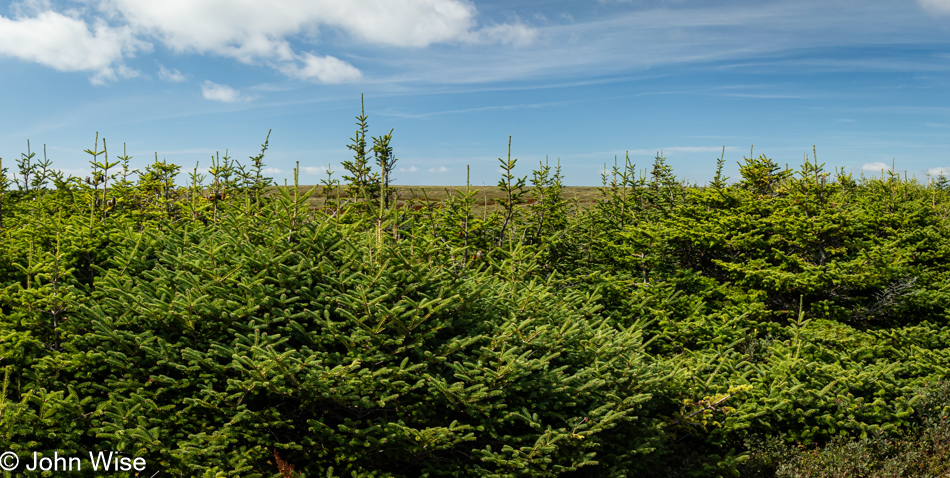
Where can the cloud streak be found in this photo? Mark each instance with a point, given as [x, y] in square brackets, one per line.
[637, 39]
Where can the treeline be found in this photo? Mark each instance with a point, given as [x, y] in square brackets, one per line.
[786, 323]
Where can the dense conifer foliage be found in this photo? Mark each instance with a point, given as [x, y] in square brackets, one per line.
[777, 325]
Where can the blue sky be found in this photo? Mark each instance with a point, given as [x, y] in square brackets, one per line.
[867, 82]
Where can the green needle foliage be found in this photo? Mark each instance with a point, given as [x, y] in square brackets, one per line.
[216, 325]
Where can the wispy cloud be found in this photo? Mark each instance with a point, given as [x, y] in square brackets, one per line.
[641, 37]
[440, 169]
[506, 33]
[943, 171]
[767, 96]
[876, 167]
[940, 7]
[170, 74]
[325, 69]
[224, 93]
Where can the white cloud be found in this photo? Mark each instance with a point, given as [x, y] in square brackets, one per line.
[401, 22]
[440, 169]
[256, 32]
[876, 167]
[945, 171]
[215, 92]
[410, 169]
[254, 28]
[325, 69]
[172, 74]
[67, 43]
[272, 170]
[935, 6]
[98, 35]
[313, 169]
